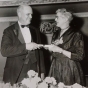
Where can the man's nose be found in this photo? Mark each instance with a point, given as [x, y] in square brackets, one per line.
[55, 19]
[30, 16]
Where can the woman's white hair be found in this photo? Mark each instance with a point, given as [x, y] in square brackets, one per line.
[65, 13]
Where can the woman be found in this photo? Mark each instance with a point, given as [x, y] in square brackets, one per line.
[67, 47]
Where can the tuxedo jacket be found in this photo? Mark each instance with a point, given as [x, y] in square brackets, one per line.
[14, 49]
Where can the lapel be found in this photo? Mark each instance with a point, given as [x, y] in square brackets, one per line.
[68, 39]
[18, 33]
[32, 31]
[67, 35]
[56, 34]
[16, 29]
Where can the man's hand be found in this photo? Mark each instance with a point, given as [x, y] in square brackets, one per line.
[33, 46]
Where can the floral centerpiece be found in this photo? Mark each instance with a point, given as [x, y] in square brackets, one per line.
[49, 82]
[33, 81]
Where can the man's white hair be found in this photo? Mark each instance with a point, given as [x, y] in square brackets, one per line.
[22, 7]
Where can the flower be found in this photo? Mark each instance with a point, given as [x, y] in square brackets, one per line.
[43, 85]
[76, 85]
[60, 85]
[31, 73]
[50, 80]
[36, 80]
[26, 82]
[6, 85]
[53, 81]
[32, 81]
[16, 86]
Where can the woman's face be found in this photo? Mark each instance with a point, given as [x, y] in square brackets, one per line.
[60, 19]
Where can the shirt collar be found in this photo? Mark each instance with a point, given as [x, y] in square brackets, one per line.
[19, 23]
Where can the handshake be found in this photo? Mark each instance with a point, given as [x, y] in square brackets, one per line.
[33, 46]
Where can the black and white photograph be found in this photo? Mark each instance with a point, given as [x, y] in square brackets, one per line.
[43, 43]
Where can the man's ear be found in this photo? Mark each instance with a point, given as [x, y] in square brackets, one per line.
[19, 14]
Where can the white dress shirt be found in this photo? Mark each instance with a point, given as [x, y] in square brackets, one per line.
[26, 33]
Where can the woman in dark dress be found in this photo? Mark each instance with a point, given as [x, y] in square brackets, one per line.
[68, 49]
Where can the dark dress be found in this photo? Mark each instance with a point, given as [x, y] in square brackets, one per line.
[64, 69]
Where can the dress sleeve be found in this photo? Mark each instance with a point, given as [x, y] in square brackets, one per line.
[78, 46]
[8, 49]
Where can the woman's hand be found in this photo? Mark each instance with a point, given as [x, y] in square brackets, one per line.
[53, 48]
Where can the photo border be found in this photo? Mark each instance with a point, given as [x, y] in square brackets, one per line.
[35, 2]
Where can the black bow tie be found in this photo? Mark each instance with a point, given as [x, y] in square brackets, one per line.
[25, 26]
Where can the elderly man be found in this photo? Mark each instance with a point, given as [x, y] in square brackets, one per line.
[21, 45]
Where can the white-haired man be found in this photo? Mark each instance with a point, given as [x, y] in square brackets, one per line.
[21, 45]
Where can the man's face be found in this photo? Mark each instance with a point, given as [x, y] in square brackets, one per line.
[26, 15]
[60, 19]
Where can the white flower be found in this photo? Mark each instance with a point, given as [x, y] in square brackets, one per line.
[76, 85]
[32, 81]
[36, 74]
[53, 86]
[1, 85]
[53, 81]
[32, 85]
[31, 73]
[43, 85]
[14, 86]
[26, 82]
[36, 79]
[29, 83]
[61, 85]
[68, 86]
[7, 85]
[48, 80]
